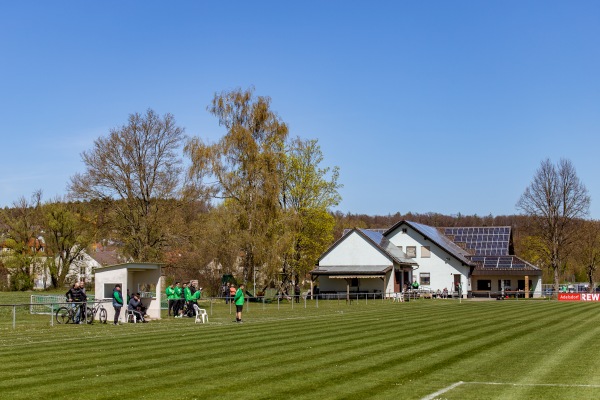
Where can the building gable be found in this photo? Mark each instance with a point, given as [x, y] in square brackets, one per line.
[355, 249]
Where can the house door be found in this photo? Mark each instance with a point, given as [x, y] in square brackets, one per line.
[397, 281]
[457, 282]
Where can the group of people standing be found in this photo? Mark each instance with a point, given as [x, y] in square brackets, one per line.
[181, 299]
[181, 295]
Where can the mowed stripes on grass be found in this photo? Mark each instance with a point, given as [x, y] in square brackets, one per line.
[380, 350]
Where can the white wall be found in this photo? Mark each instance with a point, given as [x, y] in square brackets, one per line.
[108, 279]
[355, 250]
[129, 279]
[364, 284]
[440, 265]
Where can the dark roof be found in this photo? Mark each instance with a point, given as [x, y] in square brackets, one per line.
[435, 236]
[493, 265]
[482, 240]
[106, 255]
[384, 244]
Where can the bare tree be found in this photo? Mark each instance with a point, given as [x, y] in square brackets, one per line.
[137, 169]
[555, 200]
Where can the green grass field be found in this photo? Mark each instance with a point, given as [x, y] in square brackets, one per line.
[435, 349]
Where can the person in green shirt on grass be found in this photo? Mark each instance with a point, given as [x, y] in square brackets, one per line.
[239, 303]
[171, 297]
[117, 302]
[178, 301]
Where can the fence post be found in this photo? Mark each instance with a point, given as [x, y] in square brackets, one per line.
[14, 316]
[317, 301]
[278, 302]
[305, 302]
[293, 300]
[211, 301]
[51, 314]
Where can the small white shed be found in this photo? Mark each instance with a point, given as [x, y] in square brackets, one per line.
[145, 278]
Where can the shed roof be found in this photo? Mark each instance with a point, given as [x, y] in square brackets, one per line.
[352, 270]
[140, 266]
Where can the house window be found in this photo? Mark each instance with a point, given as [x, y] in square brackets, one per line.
[108, 290]
[404, 230]
[521, 284]
[425, 252]
[354, 282]
[506, 284]
[424, 278]
[411, 251]
[484, 285]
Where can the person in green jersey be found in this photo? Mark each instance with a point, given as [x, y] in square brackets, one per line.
[171, 299]
[117, 302]
[178, 301]
[239, 303]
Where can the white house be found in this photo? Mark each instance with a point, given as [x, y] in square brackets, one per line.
[362, 261]
[475, 261]
[442, 264]
[81, 269]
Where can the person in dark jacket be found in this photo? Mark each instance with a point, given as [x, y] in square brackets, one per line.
[135, 305]
[117, 302]
[76, 295]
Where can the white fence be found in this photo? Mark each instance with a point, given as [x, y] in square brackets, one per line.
[48, 304]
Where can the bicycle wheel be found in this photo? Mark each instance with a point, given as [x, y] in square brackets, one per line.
[102, 315]
[89, 315]
[63, 315]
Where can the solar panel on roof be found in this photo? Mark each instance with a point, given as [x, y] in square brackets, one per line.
[482, 240]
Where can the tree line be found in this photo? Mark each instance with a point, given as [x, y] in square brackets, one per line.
[257, 200]
[255, 203]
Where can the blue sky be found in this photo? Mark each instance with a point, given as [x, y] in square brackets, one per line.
[426, 106]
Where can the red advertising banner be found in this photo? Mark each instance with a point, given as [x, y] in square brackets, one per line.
[579, 296]
[569, 297]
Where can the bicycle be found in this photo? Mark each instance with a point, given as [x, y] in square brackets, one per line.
[64, 315]
[100, 310]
